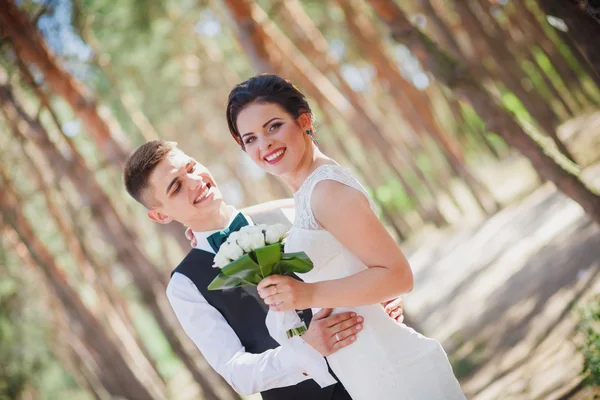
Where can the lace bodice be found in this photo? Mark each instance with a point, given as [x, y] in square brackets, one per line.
[304, 217]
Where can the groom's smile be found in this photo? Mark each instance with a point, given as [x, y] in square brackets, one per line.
[202, 193]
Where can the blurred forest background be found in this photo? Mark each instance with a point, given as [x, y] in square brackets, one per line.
[449, 111]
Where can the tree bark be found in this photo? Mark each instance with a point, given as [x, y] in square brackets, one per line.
[445, 33]
[373, 180]
[30, 47]
[115, 374]
[513, 75]
[536, 35]
[583, 29]
[114, 311]
[415, 102]
[66, 342]
[523, 51]
[551, 165]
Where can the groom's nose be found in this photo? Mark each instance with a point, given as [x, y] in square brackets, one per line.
[193, 181]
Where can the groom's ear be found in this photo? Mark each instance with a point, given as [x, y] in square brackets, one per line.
[159, 217]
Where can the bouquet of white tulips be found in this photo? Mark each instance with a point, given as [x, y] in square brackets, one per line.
[252, 254]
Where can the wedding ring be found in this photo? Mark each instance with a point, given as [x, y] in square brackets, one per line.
[337, 338]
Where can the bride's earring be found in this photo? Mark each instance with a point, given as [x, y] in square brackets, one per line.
[308, 132]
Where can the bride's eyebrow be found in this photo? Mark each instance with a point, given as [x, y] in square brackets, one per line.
[265, 124]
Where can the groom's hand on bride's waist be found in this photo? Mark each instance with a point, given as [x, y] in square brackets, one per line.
[328, 333]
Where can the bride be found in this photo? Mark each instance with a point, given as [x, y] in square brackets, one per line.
[357, 264]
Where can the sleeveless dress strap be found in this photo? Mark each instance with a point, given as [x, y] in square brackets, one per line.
[304, 215]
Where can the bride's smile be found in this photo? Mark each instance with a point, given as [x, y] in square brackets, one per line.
[275, 156]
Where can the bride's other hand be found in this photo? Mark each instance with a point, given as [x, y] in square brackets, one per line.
[282, 293]
[395, 309]
[190, 236]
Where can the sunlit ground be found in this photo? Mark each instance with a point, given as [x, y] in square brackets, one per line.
[501, 293]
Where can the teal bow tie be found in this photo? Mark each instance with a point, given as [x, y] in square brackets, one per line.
[218, 238]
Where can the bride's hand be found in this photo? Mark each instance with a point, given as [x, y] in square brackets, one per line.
[395, 309]
[282, 293]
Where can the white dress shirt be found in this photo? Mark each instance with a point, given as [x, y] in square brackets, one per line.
[247, 373]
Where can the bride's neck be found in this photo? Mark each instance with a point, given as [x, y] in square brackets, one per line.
[305, 168]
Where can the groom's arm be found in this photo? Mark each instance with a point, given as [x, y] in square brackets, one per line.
[247, 373]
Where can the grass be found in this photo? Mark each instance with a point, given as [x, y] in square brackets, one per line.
[589, 331]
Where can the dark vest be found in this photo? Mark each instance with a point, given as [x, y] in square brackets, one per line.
[245, 312]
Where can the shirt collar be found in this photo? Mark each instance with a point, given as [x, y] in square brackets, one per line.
[202, 237]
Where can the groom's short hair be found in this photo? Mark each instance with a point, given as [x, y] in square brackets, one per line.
[139, 167]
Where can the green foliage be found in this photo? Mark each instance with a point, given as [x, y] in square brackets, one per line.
[465, 365]
[152, 336]
[589, 329]
[514, 105]
[15, 374]
[28, 366]
[392, 194]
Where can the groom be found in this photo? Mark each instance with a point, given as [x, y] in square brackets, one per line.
[229, 326]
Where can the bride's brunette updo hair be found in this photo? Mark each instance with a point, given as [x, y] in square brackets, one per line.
[265, 88]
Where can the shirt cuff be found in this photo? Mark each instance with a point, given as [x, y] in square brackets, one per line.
[295, 351]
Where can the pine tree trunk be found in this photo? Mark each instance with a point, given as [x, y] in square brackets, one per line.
[583, 29]
[115, 373]
[30, 47]
[448, 71]
[373, 180]
[512, 75]
[149, 280]
[446, 35]
[409, 98]
[522, 51]
[67, 345]
[536, 35]
[110, 301]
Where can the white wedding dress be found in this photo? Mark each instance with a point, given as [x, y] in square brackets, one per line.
[389, 361]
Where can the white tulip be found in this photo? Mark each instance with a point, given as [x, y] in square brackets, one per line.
[231, 250]
[220, 260]
[262, 227]
[275, 233]
[257, 240]
[233, 237]
[243, 240]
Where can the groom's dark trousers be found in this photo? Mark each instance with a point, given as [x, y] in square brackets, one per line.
[245, 312]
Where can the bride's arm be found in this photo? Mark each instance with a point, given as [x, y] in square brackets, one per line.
[346, 214]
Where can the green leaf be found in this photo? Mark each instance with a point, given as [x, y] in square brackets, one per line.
[245, 269]
[267, 257]
[293, 263]
[222, 282]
